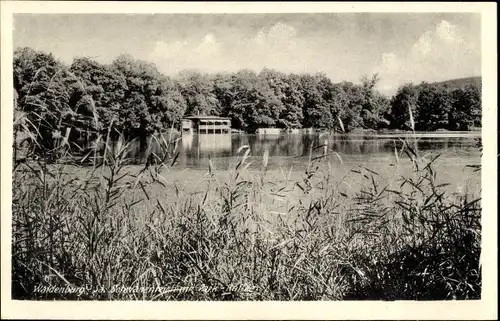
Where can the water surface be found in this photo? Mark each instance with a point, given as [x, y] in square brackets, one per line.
[294, 149]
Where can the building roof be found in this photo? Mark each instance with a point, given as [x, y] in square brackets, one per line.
[206, 117]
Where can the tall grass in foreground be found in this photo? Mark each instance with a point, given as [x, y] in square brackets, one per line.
[248, 237]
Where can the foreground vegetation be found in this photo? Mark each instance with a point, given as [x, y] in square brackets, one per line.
[245, 237]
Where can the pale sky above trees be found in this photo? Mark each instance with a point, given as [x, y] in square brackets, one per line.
[400, 47]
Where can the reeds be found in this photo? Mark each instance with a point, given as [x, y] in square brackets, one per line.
[247, 236]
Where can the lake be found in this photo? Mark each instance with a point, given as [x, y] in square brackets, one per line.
[289, 156]
[293, 149]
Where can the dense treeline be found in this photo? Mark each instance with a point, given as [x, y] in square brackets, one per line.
[138, 100]
[436, 107]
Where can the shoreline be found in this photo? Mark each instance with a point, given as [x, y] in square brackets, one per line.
[375, 133]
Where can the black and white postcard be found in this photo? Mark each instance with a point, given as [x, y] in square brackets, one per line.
[237, 160]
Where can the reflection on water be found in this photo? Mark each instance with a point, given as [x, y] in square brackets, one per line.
[286, 149]
[196, 148]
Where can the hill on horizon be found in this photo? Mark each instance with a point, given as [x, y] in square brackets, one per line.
[460, 82]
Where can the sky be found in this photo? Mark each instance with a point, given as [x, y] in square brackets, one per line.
[400, 47]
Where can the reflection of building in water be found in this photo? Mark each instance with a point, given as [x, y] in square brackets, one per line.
[187, 141]
[216, 145]
[196, 148]
[206, 125]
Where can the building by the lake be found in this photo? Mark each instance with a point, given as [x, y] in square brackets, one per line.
[206, 125]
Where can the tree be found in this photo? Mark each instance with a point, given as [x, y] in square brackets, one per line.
[465, 110]
[267, 105]
[406, 99]
[291, 115]
[355, 99]
[248, 100]
[433, 107]
[316, 111]
[374, 105]
[43, 87]
[170, 105]
[147, 98]
[198, 91]
[269, 94]
[105, 88]
[224, 91]
[340, 108]
[242, 99]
